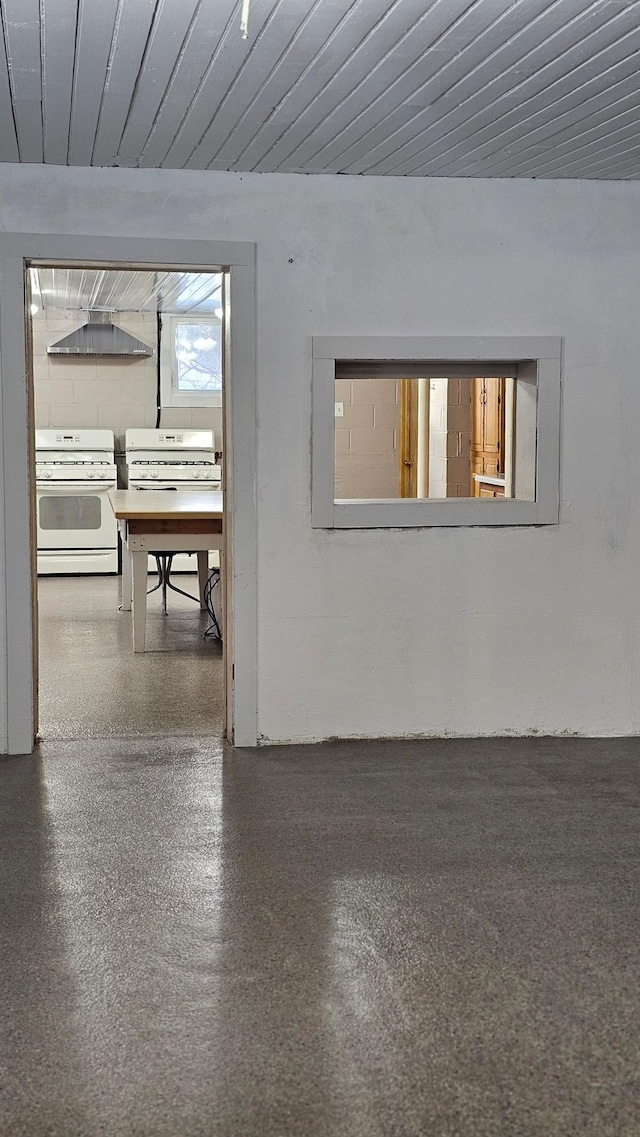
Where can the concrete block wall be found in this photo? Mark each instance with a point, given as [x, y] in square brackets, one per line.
[459, 438]
[367, 439]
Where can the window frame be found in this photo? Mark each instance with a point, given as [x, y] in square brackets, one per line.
[537, 358]
[170, 396]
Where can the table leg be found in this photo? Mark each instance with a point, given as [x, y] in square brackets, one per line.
[139, 559]
[127, 578]
[203, 575]
[222, 586]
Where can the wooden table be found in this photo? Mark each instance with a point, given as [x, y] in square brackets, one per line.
[171, 521]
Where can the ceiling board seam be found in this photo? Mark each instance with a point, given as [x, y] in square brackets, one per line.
[589, 170]
[365, 79]
[521, 31]
[5, 38]
[541, 15]
[314, 8]
[546, 125]
[299, 81]
[167, 94]
[114, 41]
[136, 86]
[521, 155]
[619, 174]
[575, 150]
[354, 90]
[512, 90]
[439, 71]
[560, 79]
[42, 85]
[596, 160]
[283, 135]
[443, 165]
[74, 78]
[235, 79]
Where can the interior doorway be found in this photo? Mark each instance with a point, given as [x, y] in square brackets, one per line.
[18, 254]
[127, 368]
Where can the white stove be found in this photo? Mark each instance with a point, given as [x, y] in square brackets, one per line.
[172, 460]
[165, 459]
[77, 531]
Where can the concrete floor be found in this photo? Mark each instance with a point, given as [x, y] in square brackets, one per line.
[93, 686]
[430, 939]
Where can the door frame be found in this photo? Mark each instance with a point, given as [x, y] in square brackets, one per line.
[408, 448]
[18, 636]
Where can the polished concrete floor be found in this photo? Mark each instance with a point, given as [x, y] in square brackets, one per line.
[93, 686]
[428, 939]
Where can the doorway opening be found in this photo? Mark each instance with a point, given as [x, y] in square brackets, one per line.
[20, 252]
[128, 370]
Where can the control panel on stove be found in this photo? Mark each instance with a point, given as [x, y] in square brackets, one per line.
[61, 439]
[147, 438]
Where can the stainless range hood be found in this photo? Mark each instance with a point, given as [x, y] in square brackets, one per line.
[100, 337]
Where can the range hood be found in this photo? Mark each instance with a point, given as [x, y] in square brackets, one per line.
[99, 337]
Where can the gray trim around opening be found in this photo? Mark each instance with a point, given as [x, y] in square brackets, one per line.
[16, 251]
[538, 356]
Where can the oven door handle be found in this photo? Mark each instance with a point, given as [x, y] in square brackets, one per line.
[75, 487]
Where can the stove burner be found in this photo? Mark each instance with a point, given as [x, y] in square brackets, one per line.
[171, 462]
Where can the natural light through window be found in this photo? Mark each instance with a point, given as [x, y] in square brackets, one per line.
[198, 356]
[192, 357]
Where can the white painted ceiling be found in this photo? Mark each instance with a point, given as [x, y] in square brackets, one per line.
[125, 290]
[472, 88]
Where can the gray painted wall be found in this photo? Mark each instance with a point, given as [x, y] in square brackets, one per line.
[387, 632]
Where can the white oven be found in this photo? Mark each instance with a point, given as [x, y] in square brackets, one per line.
[76, 528]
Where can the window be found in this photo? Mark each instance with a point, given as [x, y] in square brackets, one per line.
[431, 432]
[191, 360]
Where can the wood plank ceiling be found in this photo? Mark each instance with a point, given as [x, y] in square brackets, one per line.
[470, 88]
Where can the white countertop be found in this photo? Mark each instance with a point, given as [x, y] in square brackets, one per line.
[488, 478]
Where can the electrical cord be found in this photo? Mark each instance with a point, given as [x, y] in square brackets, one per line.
[158, 387]
[213, 581]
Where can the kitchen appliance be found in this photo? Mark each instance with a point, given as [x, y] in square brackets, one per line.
[165, 459]
[100, 336]
[76, 528]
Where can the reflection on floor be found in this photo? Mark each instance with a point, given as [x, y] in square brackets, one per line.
[414, 939]
[93, 686]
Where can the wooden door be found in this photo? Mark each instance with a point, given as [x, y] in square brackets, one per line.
[408, 449]
[487, 439]
[492, 412]
[477, 426]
